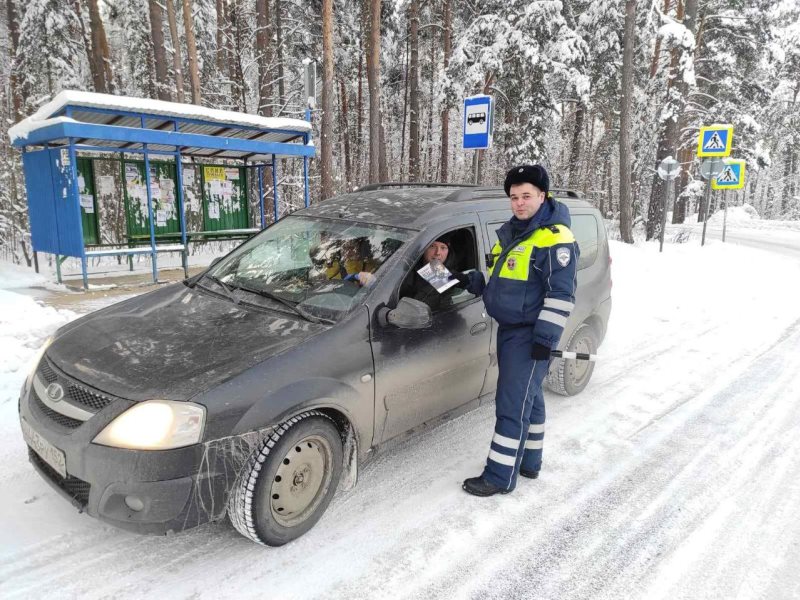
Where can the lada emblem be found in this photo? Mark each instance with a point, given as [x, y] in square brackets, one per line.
[55, 392]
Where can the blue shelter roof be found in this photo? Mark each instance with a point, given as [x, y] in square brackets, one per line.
[125, 124]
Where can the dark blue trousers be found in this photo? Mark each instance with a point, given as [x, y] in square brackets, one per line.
[519, 407]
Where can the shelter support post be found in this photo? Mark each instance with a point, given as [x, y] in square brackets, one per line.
[150, 210]
[182, 212]
[36, 261]
[58, 269]
[261, 196]
[73, 168]
[275, 187]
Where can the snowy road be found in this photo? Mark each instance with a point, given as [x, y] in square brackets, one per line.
[675, 474]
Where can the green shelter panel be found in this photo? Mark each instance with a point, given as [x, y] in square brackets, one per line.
[88, 201]
[163, 191]
[224, 198]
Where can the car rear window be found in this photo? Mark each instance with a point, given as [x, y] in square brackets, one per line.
[586, 232]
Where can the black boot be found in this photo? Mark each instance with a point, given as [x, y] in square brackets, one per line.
[478, 486]
[529, 474]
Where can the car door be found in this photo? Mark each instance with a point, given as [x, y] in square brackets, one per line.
[423, 374]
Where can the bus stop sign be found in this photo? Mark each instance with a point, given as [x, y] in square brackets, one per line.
[478, 122]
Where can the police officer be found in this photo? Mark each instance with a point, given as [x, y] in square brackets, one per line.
[530, 293]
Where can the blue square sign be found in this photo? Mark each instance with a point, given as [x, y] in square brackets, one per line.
[477, 122]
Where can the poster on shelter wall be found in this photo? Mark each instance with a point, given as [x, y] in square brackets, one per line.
[105, 185]
[132, 175]
[87, 203]
[213, 210]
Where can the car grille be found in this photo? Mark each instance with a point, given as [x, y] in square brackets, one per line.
[44, 412]
[75, 393]
[77, 489]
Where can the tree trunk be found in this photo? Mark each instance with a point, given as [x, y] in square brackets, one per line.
[102, 75]
[685, 143]
[575, 149]
[159, 54]
[413, 91]
[373, 82]
[657, 50]
[220, 37]
[177, 60]
[447, 44]
[279, 52]
[669, 143]
[428, 173]
[13, 30]
[405, 116]
[264, 52]
[625, 203]
[326, 132]
[191, 46]
[236, 55]
[348, 175]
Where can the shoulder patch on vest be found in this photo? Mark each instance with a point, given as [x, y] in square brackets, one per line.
[563, 256]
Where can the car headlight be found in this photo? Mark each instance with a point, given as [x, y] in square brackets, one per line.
[155, 425]
[38, 358]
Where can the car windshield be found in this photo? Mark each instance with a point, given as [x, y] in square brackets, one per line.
[308, 264]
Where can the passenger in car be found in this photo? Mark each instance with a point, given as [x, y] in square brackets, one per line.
[355, 263]
[415, 286]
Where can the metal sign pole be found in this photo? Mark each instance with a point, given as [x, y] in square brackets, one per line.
[705, 211]
[664, 214]
[724, 214]
[668, 169]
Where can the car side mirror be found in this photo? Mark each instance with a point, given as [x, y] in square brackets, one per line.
[409, 314]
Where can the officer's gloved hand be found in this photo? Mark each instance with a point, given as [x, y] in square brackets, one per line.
[540, 352]
[463, 279]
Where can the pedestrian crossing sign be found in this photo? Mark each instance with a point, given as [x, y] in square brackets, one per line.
[731, 177]
[715, 141]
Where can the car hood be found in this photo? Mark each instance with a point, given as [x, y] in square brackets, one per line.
[172, 343]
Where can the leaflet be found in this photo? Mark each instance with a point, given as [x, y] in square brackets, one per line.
[437, 275]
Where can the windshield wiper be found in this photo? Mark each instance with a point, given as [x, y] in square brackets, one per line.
[287, 303]
[222, 284]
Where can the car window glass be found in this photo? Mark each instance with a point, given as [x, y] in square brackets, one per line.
[311, 262]
[462, 257]
[584, 228]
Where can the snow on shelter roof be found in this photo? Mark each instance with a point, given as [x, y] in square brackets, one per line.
[124, 111]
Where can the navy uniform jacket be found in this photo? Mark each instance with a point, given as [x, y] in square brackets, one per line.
[533, 278]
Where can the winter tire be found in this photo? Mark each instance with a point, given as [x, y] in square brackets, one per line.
[568, 377]
[288, 481]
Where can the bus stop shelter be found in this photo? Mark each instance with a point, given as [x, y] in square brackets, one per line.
[76, 123]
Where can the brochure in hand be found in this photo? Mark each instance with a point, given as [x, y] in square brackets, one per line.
[437, 275]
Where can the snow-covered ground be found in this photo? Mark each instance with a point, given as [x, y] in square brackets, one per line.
[675, 474]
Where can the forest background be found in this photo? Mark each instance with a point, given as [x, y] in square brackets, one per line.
[597, 90]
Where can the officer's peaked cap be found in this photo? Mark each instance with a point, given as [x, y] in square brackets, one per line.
[535, 174]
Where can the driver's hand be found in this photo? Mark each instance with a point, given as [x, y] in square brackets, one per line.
[365, 278]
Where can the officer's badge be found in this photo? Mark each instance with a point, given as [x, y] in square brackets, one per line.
[511, 263]
[563, 256]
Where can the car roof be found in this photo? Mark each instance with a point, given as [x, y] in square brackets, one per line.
[413, 206]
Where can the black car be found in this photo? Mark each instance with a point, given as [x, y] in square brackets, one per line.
[254, 387]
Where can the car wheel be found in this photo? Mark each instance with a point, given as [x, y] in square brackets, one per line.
[288, 481]
[568, 377]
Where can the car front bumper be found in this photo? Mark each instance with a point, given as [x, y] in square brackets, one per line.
[154, 491]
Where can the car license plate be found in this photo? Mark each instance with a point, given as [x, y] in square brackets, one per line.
[47, 451]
